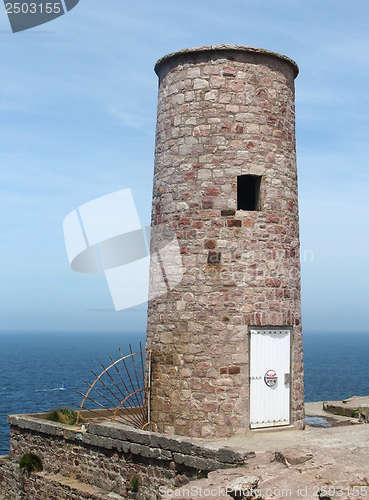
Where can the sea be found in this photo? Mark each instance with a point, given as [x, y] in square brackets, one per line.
[33, 366]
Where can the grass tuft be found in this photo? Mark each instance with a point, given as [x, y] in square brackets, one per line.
[134, 483]
[63, 416]
[31, 463]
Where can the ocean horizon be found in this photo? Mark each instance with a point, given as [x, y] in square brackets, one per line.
[33, 365]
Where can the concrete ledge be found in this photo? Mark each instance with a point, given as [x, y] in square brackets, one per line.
[347, 407]
[274, 429]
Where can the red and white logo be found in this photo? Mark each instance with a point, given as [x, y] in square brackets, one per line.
[270, 378]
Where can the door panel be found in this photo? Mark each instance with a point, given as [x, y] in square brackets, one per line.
[270, 353]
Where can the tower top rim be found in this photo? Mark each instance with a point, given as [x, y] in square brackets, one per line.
[226, 48]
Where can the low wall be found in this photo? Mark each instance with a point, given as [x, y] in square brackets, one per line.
[104, 457]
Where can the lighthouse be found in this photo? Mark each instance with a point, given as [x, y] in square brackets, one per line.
[226, 340]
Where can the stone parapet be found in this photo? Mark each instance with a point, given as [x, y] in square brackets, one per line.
[108, 455]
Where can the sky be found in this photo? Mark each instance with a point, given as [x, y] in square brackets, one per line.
[78, 113]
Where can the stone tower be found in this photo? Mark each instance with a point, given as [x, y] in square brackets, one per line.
[225, 181]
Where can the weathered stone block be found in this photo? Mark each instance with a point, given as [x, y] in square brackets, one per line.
[166, 455]
[199, 463]
[293, 457]
[179, 458]
[227, 455]
[167, 443]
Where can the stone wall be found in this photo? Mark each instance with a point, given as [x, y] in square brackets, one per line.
[103, 459]
[223, 111]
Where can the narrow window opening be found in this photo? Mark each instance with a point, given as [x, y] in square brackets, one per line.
[248, 192]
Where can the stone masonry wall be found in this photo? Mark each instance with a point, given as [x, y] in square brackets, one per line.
[106, 456]
[223, 111]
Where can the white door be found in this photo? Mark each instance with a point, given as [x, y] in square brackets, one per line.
[270, 379]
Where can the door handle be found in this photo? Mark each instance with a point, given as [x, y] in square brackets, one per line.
[287, 378]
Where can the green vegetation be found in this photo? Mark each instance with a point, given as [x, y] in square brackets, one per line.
[31, 463]
[134, 483]
[63, 416]
[203, 474]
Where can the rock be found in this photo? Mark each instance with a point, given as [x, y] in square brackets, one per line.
[243, 487]
[293, 457]
[347, 407]
[363, 411]
[339, 408]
